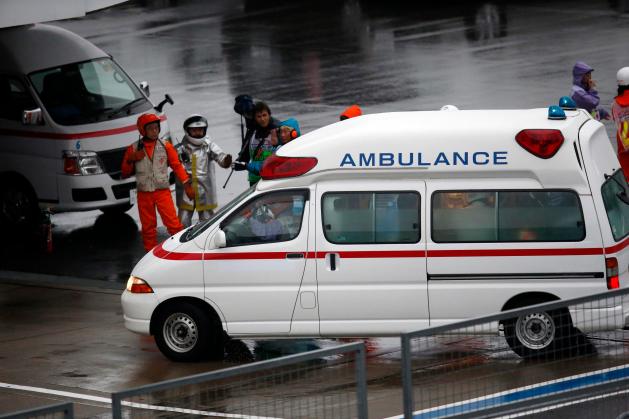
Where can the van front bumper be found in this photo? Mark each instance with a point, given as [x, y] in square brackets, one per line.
[89, 192]
[137, 311]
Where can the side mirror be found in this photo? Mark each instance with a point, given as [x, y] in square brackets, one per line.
[219, 240]
[167, 99]
[144, 85]
[32, 117]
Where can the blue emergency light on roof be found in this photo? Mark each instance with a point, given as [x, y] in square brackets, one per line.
[555, 112]
[566, 102]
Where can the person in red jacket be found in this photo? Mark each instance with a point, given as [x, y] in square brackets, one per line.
[149, 159]
[620, 114]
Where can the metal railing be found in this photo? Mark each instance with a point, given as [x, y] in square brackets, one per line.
[567, 354]
[61, 410]
[327, 382]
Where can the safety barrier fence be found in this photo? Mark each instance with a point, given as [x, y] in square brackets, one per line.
[322, 383]
[568, 357]
[55, 411]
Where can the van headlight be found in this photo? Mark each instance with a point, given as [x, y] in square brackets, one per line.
[137, 285]
[81, 163]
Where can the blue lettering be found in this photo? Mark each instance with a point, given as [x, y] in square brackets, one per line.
[401, 160]
[420, 162]
[348, 160]
[460, 157]
[500, 157]
[480, 162]
[386, 159]
[364, 161]
[442, 159]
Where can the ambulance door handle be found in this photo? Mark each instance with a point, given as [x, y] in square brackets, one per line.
[294, 255]
[331, 260]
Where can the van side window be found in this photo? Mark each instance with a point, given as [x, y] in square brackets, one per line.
[617, 211]
[268, 218]
[371, 217]
[506, 216]
[14, 99]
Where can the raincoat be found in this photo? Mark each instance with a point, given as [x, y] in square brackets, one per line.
[260, 147]
[197, 160]
[584, 98]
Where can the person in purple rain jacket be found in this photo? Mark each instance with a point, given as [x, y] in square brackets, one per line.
[583, 91]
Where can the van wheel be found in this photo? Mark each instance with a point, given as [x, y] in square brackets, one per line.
[117, 209]
[19, 208]
[184, 332]
[539, 335]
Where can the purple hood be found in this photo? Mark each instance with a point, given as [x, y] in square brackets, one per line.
[579, 70]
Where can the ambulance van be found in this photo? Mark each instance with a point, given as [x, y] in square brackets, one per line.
[67, 112]
[393, 222]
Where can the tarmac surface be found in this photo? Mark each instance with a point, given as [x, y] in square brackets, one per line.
[60, 315]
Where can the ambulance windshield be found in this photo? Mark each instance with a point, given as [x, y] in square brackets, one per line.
[88, 92]
[200, 227]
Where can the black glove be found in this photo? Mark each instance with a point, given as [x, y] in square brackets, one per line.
[239, 165]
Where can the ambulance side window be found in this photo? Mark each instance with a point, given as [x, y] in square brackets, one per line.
[617, 211]
[506, 216]
[268, 218]
[14, 99]
[371, 217]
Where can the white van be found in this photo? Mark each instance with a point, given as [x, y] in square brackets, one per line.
[67, 112]
[393, 222]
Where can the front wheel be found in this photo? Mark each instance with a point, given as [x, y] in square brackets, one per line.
[184, 332]
[539, 335]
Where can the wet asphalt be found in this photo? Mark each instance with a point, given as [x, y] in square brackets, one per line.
[308, 60]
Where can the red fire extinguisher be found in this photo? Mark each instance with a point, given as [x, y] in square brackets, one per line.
[47, 231]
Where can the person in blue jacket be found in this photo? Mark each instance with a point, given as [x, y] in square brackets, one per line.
[287, 131]
[583, 91]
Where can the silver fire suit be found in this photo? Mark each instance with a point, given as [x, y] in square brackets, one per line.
[197, 155]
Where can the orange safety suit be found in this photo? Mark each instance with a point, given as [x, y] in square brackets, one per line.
[159, 198]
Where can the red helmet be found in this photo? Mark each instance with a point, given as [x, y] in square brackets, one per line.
[144, 120]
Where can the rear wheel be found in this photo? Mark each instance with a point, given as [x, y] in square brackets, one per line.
[185, 332]
[539, 335]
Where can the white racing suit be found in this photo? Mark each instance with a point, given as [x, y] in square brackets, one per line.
[197, 160]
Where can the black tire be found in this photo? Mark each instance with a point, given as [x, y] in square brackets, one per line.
[19, 208]
[184, 332]
[117, 209]
[540, 335]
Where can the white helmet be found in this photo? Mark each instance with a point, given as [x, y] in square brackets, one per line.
[449, 108]
[195, 121]
[622, 77]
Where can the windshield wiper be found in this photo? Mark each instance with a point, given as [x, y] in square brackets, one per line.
[126, 107]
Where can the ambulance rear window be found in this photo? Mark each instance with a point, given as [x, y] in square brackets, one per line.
[506, 216]
[617, 211]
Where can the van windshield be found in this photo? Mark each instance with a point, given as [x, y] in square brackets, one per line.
[87, 92]
[200, 227]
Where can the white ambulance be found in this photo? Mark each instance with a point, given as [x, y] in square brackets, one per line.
[393, 222]
[67, 112]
